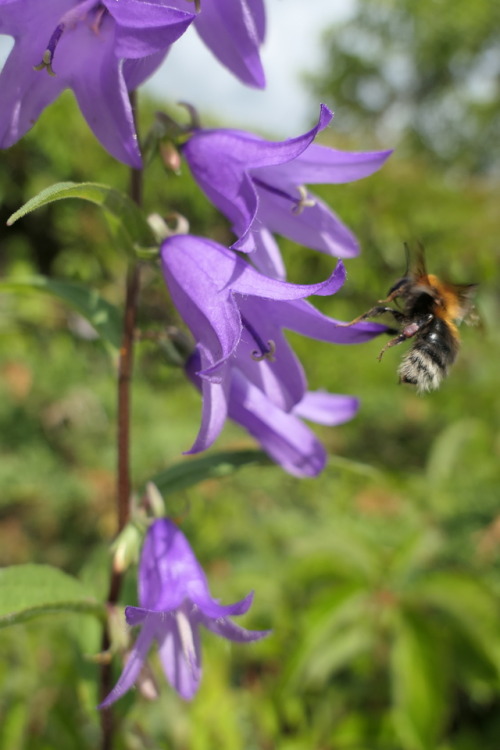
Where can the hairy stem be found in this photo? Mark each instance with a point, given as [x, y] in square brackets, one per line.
[123, 483]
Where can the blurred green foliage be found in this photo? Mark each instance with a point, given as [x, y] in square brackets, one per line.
[426, 73]
[380, 579]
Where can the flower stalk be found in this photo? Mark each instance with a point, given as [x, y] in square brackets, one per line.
[123, 478]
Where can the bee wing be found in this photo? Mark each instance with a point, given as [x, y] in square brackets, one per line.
[464, 294]
[418, 266]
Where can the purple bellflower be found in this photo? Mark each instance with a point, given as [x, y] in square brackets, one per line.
[259, 186]
[174, 601]
[233, 30]
[236, 316]
[101, 49]
[282, 434]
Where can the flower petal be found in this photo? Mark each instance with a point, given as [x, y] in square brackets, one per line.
[101, 93]
[209, 607]
[322, 164]
[233, 30]
[134, 664]
[302, 317]
[327, 408]
[281, 434]
[167, 566]
[182, 669]
[144, 28]
[266, 255]
[315, 226]
[213, 416]
[228, 629]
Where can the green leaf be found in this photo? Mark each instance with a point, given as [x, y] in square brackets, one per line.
[470, 607]
[127, 222]
[195, 470]
[27, 591]
[420, 682]
[103, 316]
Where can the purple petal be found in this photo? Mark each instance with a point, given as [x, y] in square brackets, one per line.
[326, 408]
[282, 380]
[144, 28]
[233, 30]
[302, 317]
[266, 255]
[228, 629]
[135, 72]
[134, 664]
[101, 93]
[182, 668]
[167, 566]
[197, 272]
[282, 435]
[315, 226]
[321, 164]
[214, 412]
[25, 92]
[209, 607]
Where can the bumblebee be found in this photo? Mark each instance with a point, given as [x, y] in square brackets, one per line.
[429, 311]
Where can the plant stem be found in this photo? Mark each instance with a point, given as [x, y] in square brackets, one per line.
[123, 483]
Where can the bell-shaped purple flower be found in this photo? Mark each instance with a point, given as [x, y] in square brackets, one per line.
[233, 30]
[259, 186]
[282, 434]
[101, 49]
[236, 316]
[174, 601]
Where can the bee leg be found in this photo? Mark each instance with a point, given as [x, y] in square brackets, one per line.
[407, 333]
[393, 342]
[375, 312]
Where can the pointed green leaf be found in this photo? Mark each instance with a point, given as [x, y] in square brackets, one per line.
[27, 591]
[127, 222]
[102, 315]
[195, 470]
[420, 682]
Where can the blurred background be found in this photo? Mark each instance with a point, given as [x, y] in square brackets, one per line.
[380, 579]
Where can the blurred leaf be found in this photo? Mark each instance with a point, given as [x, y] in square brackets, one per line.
[192, 471]
[100, 313]
[419, 551]
[420, 682]
[352, 554]
[447, 447]
[127, 222]
[472, 608]
[27, 591]
[337, 632]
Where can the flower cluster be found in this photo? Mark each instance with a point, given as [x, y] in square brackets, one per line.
[236, 300]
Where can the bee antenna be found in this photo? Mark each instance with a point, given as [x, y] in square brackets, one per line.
[407, 256]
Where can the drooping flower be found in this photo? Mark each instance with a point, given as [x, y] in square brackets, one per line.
[101, 49]
[282, 434]
[236, 316]
[174, 600]
[233, 30]
[259, 186]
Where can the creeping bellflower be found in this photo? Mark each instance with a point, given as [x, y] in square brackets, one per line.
[259, 186]
[101, 49]
[174, 601]
[236, 316]
[233, 30]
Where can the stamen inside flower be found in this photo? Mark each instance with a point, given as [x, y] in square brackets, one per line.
[68, 20]
[298, 205]
[265, 351]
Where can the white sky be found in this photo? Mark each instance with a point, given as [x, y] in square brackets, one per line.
[292, 46]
